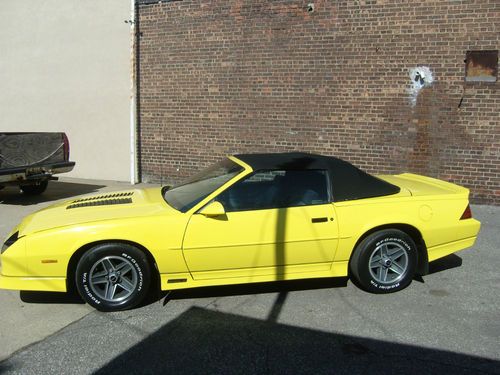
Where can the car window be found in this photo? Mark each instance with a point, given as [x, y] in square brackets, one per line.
[185, 196]
[276, 189]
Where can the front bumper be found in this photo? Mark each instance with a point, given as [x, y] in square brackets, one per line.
[14, 273]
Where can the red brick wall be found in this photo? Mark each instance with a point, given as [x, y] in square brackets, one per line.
[232, 76]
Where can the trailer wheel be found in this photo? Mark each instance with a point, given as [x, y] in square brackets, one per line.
[35, 189]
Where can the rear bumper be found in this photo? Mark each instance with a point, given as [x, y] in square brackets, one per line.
[27, 173]
[46, 284]
[469, 228]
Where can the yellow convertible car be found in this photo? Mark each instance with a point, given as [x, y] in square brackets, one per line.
[249, 218]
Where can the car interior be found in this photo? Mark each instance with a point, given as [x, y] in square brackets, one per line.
[277, 189]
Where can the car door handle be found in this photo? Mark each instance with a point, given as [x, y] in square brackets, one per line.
[319, 219]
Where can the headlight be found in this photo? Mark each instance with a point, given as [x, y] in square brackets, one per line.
[9, 242]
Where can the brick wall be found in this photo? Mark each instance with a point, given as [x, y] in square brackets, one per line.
[232, 76]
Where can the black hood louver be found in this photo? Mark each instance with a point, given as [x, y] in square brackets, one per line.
[10, 241]
[102, 200]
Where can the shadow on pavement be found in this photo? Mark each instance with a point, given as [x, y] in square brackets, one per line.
[50, 297]
[206, 341]
[446, 263]
[56, 190]
[442, 264]
[256, 288]
[4, 367]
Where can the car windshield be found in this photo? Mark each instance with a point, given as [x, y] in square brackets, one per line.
[186, 195]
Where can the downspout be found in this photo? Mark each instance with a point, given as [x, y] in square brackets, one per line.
[133, 96]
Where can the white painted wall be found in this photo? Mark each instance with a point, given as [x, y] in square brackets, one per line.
[65, 66]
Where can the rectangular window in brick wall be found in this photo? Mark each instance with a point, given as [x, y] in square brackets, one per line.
[481, 66]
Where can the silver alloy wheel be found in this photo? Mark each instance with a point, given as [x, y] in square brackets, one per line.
[388, 263]
[113, 278]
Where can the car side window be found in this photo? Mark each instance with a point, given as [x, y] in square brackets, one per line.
[276, 189]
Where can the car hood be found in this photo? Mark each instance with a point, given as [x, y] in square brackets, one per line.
[91, 208]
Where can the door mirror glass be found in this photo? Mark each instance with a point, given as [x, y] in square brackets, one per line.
[213, 209]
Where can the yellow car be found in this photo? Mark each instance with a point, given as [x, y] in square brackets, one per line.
[249, 218]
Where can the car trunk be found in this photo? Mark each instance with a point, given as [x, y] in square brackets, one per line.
[419, 185]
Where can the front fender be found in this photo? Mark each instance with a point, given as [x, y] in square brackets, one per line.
[48, 253]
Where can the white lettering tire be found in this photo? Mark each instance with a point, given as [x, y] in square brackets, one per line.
[113, 276]
[384, 262]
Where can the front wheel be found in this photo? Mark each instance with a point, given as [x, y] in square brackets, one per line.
[384, 262]
[113, 276]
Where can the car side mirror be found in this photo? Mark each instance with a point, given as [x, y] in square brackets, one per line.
[213, 209]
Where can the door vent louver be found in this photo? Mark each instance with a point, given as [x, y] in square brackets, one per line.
[102, 200]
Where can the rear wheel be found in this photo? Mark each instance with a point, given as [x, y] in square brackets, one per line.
[113, 276]
[35, 189]
[384, 262]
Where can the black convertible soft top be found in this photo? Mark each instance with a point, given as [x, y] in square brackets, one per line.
[347, 181]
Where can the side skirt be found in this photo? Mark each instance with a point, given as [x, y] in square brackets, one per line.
[184, 280]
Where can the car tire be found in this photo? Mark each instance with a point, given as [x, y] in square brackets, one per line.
[35, 189]
[113, 276]
[384, 261]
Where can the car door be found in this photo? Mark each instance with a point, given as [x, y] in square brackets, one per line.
[276, 222]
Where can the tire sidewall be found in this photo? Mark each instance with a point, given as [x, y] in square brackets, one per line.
[368, 246]
[138, 260]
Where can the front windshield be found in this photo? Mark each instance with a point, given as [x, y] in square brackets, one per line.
[185, 196]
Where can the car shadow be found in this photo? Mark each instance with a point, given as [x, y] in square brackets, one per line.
[55, 191]
[50, 297]
[446, 263]
[203, 292]
[442, 264]
[248, 289]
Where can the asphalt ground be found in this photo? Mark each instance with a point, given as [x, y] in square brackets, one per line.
[446, 322]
